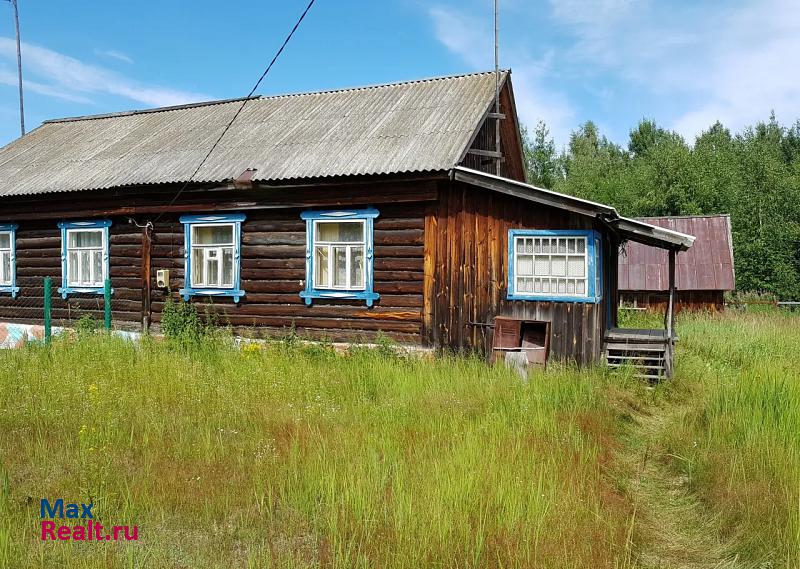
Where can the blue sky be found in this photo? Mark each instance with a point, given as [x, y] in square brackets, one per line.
[683, 63]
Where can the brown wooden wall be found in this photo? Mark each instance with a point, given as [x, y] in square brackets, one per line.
[511, 166]
[39, 256]
[466, 274]
[273, 258]
[691, 300]
[273, 274]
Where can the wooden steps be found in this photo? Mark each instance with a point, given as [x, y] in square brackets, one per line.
[647, 351]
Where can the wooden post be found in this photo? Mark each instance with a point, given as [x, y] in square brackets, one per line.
[107, 304]
[670, 316]
[671, 306]
[146, 278]
[48, 302]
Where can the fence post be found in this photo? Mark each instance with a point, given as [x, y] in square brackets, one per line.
[48, 302]
[107, 303]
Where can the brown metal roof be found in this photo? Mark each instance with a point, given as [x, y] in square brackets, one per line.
[708, 265]
[417, 126]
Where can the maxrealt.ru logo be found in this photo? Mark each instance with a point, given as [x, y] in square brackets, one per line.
[89, 530]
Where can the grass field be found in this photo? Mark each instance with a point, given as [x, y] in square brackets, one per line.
[290, 456]
[300, 457]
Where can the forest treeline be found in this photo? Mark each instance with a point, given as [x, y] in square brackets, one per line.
[753, 175]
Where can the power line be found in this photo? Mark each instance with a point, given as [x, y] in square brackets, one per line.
[241, 108]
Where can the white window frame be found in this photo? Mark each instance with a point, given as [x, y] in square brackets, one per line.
[219, 249]
[102, 249]
[7, 252]
[349, 245]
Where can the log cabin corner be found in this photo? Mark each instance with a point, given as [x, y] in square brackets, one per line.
[399, 209]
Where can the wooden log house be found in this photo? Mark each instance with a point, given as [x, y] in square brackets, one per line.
[394, 209]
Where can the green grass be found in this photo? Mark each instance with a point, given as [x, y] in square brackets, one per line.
[739, 442]
[292, 457]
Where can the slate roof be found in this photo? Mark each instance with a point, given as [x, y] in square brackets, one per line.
[416, 126]
[708, 265]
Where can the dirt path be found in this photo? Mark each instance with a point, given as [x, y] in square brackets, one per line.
[673, 528]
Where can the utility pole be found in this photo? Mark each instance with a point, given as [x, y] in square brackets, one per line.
[19, 68]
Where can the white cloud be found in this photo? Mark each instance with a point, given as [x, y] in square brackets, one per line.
[733, 63]
[471, 39]
[65, 77]
[10, 78]
[114, 54]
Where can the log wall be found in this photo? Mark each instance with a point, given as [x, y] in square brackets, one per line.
[273, 259]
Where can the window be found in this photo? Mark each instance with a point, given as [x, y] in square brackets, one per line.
[212, 256]
[84, 257]
[8, 260]
[554, 265]
[339, 255]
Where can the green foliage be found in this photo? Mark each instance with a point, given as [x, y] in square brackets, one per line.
[541, 159]
[181, 322]
[754, 176]
[87, 325]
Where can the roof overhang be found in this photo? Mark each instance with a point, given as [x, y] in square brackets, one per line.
[626, 228]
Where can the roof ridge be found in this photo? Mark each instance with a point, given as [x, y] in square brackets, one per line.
[268, 97]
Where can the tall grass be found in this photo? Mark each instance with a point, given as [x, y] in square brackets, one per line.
[292, 457]
[740, 442]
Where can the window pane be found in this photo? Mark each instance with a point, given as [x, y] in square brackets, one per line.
[562, 245]
[520, 245]
[545, 245]
[198, 262]
[212, 268]
[525, 264]
[5, 241]
[356, 267]
[558, 265]
[575, 266]
[84, 270]
[72, 265]
[212, 235]
[85, 239]
[340, 231]
[581, 245]
[321, 278]
[97, 257]
[340, 267]
[227, 267]
[542, 266]
[580, 287]
[5, 268]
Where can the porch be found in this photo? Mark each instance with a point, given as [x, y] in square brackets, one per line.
[649, 351]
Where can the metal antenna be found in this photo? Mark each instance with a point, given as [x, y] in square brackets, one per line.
[19, 69]
[497, 85]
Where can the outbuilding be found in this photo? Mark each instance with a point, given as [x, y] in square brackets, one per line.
[398, 209]
[702, 275]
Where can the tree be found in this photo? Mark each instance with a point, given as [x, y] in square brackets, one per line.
[541, 159]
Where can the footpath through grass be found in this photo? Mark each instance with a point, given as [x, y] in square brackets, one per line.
[299, 457]
[737, 440]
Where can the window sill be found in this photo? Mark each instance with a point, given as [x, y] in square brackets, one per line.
[187, 293]
[12, 290]
[66, 291]
[369, 297]
[546, 298]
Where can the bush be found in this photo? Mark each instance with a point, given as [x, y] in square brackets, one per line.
[180, 321]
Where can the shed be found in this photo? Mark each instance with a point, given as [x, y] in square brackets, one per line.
[702, 275]
[398, 209]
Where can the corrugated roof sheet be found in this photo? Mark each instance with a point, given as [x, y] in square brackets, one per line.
[415, 126]
[708, 265]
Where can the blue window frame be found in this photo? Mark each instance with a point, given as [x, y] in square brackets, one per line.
[339, 255]
[8, 260]
[85, 263]
[212, 255]
[555, 265]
